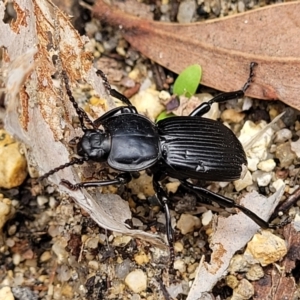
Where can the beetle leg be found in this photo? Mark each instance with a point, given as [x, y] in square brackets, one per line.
[113, 92]
[226, 202]
[114, 111]
[163, 201]
[122, 178]
[206, 106]
[75, 161]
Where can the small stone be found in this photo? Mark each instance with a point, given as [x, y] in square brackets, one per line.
[16, 259]
[136, 281]
[191, 268]
[67, 291]
[187, 223]
[206, 217]
[172, 186]
[147, 103]
[186, 11]
[277, 184]
[13, 165]
[266, 248]
[122, 269]
[92, 243]
[174, 290]
[41, 200]
[24, 293]
[285, 155]
[290, 116]
[238, 264]
[232, 281]
[295, 146]
[93, 264]
[141, 258]
[136, 222]
[6, 294]
[252, 163]
[244, 290]
[142, 185]
[59, 248]
[121, 240]
[179, 265]
[45, 256]
[262, 178]
[267, 165]
[241, 6]
[282, 135]
[258, 149]
[244, 182]
[232, 116]
[164, 97]
[255, 272]
[178, 247]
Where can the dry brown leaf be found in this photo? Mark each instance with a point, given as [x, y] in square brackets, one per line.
[225, 47]
[38, 113]
[292, 237]
[275, 285]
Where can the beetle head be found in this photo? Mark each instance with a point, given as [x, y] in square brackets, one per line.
[95, 145]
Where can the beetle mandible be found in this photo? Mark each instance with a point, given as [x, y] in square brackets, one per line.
[186, 147]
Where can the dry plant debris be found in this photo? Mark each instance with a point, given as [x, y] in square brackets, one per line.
[52, 249]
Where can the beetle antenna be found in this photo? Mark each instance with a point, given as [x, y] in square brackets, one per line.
[75, 161]
[82, 115]
[251, 75]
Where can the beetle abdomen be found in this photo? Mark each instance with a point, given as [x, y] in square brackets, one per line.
[201, 148]
[134, 142]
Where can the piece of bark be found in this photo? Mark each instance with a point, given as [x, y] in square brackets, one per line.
[39, 113]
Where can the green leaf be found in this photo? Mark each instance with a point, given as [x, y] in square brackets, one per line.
[164, 115]
[188, 80]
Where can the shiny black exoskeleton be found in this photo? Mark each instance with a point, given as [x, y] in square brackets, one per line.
[185, 148]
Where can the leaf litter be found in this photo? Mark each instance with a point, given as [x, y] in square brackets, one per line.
[106, 216]
[221, 51]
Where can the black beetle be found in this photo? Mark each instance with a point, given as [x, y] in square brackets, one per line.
[190, 147]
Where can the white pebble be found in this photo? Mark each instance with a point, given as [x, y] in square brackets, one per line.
[267, 165]
[179, 265]
[250, 130]
[252, 163]
[186, 11]
[41, 200]
[262, 178]
[282, 135]
[295, 146]
[206, 218]
[136, 281]
[16, 259]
